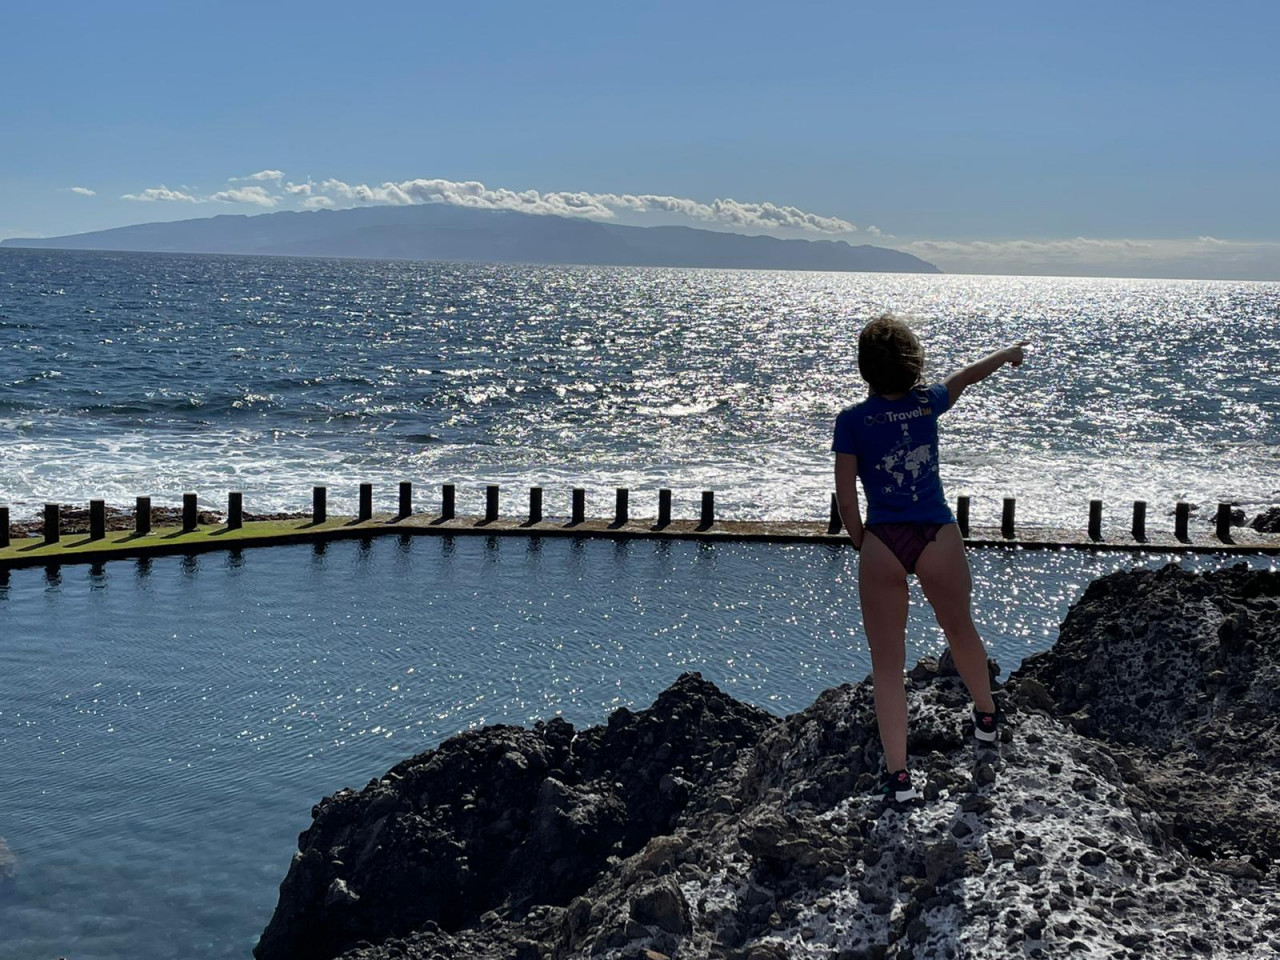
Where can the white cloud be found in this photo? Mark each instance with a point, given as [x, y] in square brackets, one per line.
[84, 191]
[625, 207]
[600, 206]
[1205, 257]
[276, 175]
[160, 193]
[254, 195]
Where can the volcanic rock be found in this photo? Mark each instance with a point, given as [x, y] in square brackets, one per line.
[502, 819]
[1131, 813]
[1179, 675]
[1268, 521]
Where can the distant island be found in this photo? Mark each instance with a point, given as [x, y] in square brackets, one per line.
[443, 232]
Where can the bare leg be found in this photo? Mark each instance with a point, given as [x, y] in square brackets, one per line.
[943, 570]
[882, 590]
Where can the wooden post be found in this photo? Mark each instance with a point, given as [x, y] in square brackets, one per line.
[142, 516]
[448, 501]
[406, 499]
[708, 510]
[4, 527]
[319, 504]
[1181, 516]
[1006, 518]
[1140, 521]
[97, 519]
[235, 510]
[1223, 524]
[366, 501]
[52, 526]
[190, 515]
[1095, 520]
[621, 511]
[579, 509]
[535, 504]
[962, 515]
[664, 508]
[833, 522]
[491, 503]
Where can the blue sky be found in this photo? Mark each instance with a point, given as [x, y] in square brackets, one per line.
[1134, 138]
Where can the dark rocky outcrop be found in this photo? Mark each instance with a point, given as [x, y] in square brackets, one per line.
[1129, 811]
[1268, 521]
[502, 817]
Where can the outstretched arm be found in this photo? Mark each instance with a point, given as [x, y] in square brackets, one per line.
[984, 368]
[847, 496]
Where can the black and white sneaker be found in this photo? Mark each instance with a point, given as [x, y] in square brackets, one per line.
[896, 787]
[986, 728]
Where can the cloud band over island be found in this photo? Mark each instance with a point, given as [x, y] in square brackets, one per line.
[312, 194]
[1203, 256]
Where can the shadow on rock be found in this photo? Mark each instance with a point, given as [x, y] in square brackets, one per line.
[501, 818]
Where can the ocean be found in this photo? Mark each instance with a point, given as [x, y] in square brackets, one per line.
[144, 374]
[166, 725]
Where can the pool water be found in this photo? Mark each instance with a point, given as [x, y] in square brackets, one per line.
[165, 726]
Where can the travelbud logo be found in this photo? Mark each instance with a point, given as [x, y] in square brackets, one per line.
[891, 417]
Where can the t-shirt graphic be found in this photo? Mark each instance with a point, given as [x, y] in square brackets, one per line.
[906, 457]
[896, 443]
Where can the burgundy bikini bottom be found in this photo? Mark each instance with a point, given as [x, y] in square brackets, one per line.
[906, 541]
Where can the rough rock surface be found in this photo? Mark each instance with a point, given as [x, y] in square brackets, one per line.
[503, 818]
[1129, 811]
[1268, 521]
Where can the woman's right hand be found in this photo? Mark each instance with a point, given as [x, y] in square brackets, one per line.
[1015, 355]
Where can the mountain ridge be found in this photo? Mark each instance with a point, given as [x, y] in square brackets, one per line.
[444, 232]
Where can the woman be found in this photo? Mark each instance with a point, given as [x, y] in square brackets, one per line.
[890, 442]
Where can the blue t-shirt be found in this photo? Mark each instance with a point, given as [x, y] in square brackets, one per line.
[896, 443]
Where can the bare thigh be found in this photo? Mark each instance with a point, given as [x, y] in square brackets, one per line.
[882, 591]
[943, 571]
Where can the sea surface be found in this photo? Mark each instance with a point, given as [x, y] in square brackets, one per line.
[166, 726]
[128, 374]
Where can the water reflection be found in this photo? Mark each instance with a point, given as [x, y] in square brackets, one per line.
[145, 707]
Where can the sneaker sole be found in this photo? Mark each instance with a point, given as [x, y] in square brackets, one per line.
[984, 736]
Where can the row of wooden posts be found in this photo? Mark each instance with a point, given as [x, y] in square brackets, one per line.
[448, 503]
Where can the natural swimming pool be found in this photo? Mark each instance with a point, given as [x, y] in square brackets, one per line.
[165, 726]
